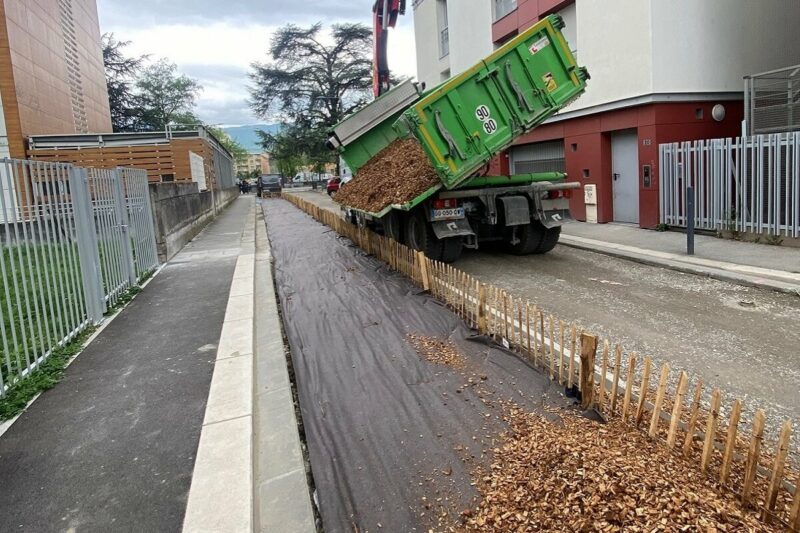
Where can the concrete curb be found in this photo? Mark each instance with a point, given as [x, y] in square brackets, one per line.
[221, 494]
[281, 480]
[698, 266]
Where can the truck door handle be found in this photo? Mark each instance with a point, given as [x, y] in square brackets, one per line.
[616, 176]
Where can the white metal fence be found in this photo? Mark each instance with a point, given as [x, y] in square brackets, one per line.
[72, 241]
[748, 184]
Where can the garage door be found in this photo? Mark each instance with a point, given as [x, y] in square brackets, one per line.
[538, 157]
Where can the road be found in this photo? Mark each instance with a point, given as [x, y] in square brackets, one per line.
[743, 340]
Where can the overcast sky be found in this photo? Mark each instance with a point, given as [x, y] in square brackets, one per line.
[215, 41]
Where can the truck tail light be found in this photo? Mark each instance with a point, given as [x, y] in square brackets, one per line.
[561, 193]
[450, 203]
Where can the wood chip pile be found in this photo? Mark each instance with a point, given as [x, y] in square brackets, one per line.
[437, 351]
[398, 174]
[579, 475]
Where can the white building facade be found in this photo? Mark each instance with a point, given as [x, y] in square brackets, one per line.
[662, 71]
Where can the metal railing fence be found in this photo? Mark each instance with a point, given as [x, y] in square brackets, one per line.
[72, 241]
[748, 184]
[772, 101]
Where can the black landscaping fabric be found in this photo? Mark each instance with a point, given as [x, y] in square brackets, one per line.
[388, 432]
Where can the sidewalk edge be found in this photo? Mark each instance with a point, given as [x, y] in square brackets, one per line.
[221, 493]
[714, 273]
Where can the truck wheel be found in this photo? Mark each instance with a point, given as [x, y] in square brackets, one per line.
[392, 226]
[549, 240]
[420, 236]
[529, 238]
[451, 249]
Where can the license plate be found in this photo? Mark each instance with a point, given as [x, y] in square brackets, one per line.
[445, 214]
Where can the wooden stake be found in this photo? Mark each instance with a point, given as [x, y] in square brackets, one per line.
[552, 352]
[572, 342]
[505, 315]
[794, 513]
[562, 347]
[730, 442]
[643, 390]
[603, 375]
[662, 391]
[482, 325]
[626, 402]
[588, 351]
[677, 409]
[541, 344]
[753, 454]
[535, 338]
[711, 430]
[615, 384]
[695, 414]
[423, 268]
[777, 470]
[528, 329]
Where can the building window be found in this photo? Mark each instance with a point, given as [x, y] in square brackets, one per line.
[444, 31]
[538, 157]
[503, 8]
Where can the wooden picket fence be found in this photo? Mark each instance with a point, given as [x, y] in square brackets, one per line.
[607, 379]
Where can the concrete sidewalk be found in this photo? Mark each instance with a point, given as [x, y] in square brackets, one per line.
[758, 265]
[112, 447]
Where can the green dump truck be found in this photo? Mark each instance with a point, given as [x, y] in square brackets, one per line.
[461, 125]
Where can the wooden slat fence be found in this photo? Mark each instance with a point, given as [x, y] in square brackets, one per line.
[736, 458]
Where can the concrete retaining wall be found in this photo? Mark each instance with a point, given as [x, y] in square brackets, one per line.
[181, 211]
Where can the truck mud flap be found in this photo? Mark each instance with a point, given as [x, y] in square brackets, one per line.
[554, 217]
[452, 228]
[516, 210]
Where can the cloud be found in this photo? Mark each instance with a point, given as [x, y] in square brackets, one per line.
[216, 42]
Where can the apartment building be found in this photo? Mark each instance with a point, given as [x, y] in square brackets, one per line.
[662, 71]
[254, 162]
[52, 79]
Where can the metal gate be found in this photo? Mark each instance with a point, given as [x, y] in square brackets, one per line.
[72, 241]
[749, 184]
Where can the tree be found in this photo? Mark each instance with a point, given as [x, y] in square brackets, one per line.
[164, 96]
[121, 72]
[238, 151]
[286, 154]
[311, 84]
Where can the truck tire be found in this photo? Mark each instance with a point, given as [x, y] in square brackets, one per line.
[529, 239]
[549, 240]
[392, 224]
[419, 236]
[451, 249]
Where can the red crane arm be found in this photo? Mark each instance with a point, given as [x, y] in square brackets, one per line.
[384, 16]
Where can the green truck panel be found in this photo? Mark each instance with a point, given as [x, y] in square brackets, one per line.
[466, 121]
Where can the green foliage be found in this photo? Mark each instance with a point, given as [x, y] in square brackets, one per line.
[165, 96]
[44, 378]
[146, 97]
[121, 72]
[238, 151]
[662, 227]
[773, 240]
[312, 83]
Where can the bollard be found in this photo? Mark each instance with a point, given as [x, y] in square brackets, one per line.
[690, 220]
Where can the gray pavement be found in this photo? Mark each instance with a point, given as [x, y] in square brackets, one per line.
[782, 258]
[112, 447]
[742, 339]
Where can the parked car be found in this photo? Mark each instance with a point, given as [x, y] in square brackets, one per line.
[269, 183]
[333, 185]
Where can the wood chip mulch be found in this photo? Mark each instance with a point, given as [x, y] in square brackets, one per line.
[398, 174]
[437, 351]
[579, 475]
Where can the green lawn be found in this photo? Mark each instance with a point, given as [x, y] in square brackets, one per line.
[41, 302]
